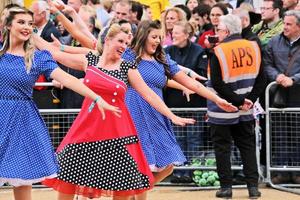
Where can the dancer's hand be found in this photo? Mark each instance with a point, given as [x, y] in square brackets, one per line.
[57, 84]
[223, 104]
[182, 121]
[196, 76]
[187, 93]
[103, 105]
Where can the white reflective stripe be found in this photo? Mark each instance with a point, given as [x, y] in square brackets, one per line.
[221, 115]
[242, 77]
[244, 90]
[257, 54]
[249, 112]
[224, 62]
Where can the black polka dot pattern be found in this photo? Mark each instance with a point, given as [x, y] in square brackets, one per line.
[120, 74]
[105, 165]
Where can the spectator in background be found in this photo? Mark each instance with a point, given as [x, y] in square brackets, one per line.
[201, 16]
[271, 24]
[290, 4]
[147, 13]
[171, 16]
[188, 13]
[192, 56]
[122, 10]
[191, 4]
[216, 12]
[44, 25]
[88, 16]
[278, 54]
[136, 12]
[255, 18]
[246, 25]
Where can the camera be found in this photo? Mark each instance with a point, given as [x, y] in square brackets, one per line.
[213, 39]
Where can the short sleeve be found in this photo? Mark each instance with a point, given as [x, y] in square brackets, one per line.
[174, 69]
[92, 59]
[45, 62]
[129, 55]
[130, 64]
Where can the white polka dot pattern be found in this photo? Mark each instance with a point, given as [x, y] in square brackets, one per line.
[120, 74]
[103, 165]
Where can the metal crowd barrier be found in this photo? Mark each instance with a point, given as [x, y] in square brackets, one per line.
[282, 142]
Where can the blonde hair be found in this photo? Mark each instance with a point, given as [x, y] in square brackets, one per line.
[187, 27]
[181, 17]
[29, 48]
[113, 30]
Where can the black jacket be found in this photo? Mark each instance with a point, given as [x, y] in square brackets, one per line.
[48, 29]
[191, 56]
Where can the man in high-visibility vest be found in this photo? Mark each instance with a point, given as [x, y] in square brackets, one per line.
[235, 73]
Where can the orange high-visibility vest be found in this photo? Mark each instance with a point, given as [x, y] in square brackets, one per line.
[238, 59]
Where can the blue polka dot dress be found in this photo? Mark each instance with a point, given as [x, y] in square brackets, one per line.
[26, 153]
[154, 130]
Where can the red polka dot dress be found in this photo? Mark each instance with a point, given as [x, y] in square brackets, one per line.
[102, 157]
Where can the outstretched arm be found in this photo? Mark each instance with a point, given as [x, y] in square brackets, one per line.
[197, 87]
[69, 49]
[137, 82]
[191, 73]
[77, 62]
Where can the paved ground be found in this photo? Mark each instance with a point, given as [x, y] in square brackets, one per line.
[171, 193]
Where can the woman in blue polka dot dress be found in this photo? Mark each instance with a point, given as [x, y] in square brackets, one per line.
[26, 153]
[155, 130]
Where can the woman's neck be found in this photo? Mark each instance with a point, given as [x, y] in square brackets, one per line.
[146, 56]
[16, 48]
[108, 61]
[183, 44]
